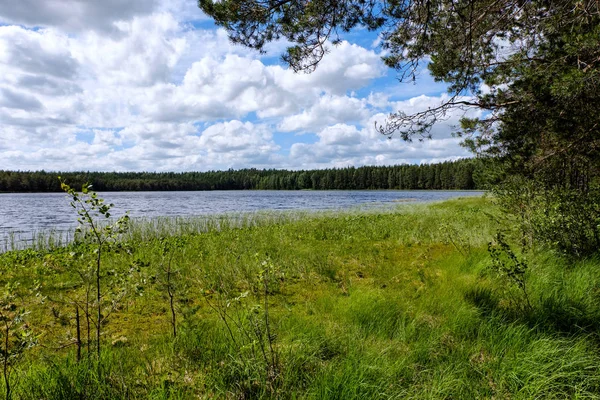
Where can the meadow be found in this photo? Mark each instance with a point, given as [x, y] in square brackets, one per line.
[406, 303]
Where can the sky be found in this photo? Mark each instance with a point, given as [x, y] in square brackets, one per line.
[154, 85]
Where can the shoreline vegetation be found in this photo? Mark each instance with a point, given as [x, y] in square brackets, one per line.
[48, 238]
[143, 229]
[403, 303]
[463, 174]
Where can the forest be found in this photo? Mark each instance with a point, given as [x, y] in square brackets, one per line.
[458, 175]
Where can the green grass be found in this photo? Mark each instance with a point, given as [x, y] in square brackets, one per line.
[362, 305]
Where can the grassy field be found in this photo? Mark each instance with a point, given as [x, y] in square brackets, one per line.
[360, 305]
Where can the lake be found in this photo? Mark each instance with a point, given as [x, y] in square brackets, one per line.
[24, 215]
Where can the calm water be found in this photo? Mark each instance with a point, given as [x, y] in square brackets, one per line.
[24, 215]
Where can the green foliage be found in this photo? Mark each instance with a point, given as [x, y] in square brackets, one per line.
[15, 335]
[168, 277]
[447, 175]
[567, 219]
[552, 59]
[506, 263]
[255, 23]
[531, 69]
[360, 305]
[89, 207]
[247, 320]
[455, 237]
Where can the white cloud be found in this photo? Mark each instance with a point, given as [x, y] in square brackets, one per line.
[327, 110]
[134, 85]
[73, 15]
[21, 101]
[236, 85]
[340, 134]
[183, 10]
[144, 56]
[149, 147]
[42, 53]
[347, 67]
[107, 137]
[236, 136]
[343, 145]
[46, 85]
[447, 123]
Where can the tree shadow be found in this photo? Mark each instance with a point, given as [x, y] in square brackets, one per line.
[553, 314]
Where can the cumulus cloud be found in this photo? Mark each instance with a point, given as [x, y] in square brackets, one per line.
[344, 145]
[236, 136]
[46, 85]
[22, 101]
[448, 123]
[38, 82]
[183, 10]
[346, 67]
[235, 85]
[73, 15]
[145, 55]
[154, 146]
[327, 110]
[340, 135]
[135, 85]
[235, 144]
[42, 52]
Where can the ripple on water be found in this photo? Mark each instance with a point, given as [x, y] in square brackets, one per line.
[29, 214]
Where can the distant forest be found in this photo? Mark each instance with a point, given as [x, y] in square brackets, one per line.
[460, 174]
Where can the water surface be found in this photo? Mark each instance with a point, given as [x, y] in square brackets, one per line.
[25, 215]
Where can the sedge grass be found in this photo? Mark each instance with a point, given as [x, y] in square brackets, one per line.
[388, 304]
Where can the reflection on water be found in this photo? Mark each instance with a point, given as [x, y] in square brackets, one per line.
[22, 216]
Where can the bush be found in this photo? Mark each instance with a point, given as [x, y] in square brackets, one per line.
[567, 219]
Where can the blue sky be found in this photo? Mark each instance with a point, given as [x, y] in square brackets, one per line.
[153, 85]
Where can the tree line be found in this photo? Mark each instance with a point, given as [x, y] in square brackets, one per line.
[461, 174]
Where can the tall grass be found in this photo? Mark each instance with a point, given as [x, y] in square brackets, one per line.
[361, 305]
[39, 240]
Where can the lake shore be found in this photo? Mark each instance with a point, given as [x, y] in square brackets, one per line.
[46, 219]
[381, 304]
